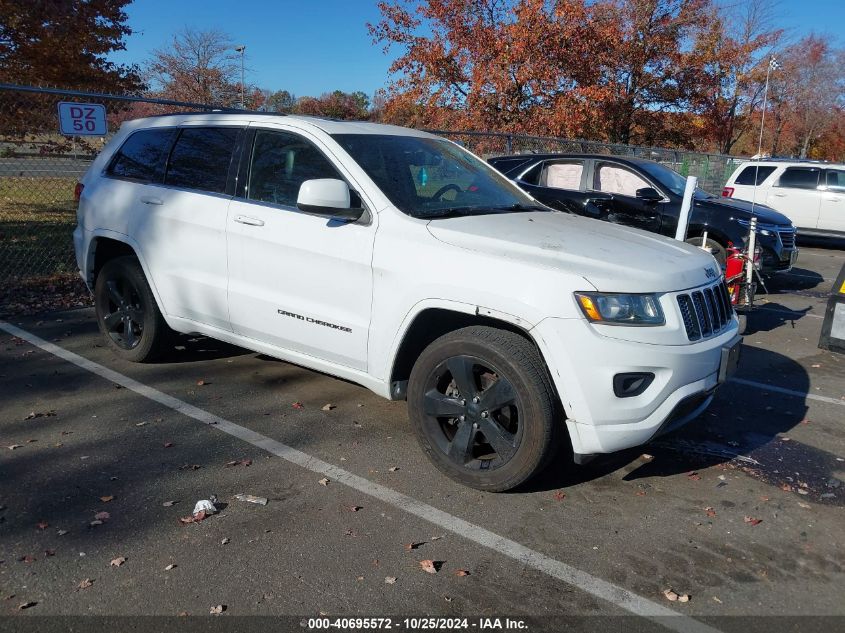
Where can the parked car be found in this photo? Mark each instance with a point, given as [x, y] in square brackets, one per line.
[400, 261]
[810, 193]
[647, 195]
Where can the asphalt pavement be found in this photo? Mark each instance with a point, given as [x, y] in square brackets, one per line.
[742, 510]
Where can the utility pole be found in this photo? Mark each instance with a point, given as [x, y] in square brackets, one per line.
[240, 49]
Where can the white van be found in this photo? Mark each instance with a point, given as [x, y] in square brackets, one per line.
[400, 261]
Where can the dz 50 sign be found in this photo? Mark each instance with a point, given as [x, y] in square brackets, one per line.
[82, 119]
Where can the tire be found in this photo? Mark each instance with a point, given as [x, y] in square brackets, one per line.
[495, 447]
[718, 251]
[743, 323]
[123, 299]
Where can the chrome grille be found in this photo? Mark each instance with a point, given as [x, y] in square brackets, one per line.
[705, 312]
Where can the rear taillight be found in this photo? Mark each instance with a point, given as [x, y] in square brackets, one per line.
[77, 192]
[727, 192]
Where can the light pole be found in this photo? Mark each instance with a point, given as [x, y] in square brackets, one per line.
[773, 65]
[240, 49]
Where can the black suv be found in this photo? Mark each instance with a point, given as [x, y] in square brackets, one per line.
[647, 195]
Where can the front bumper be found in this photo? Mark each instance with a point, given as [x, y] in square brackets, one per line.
[779, 251]
[583, 363]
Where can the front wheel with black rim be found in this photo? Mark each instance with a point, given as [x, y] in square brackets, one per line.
[127, 314]
[483, 408]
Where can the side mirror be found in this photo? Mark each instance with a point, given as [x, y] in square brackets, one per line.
[648, 194]
[327, 197]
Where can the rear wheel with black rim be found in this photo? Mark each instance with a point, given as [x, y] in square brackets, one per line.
[483, 408]
[127, 314]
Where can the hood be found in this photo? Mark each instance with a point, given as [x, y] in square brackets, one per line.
[741, 209]
[610, 257]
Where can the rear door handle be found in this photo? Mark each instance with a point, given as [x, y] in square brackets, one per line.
[151, 200]
[245, 219]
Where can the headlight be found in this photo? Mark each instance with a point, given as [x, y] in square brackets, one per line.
[762, 229]
[620, 309]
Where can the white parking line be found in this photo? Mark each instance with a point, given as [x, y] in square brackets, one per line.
[584, 581]
[788, 392]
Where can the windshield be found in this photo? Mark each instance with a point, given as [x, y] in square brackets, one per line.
[430, 177]
[669, 178]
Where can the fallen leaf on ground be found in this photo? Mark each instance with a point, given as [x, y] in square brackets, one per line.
[168, 445]
[239, 462]
[430, 566]
[801, 504]
[224, 541]
[194, 518]
[61, 532]
[559, 495]
[683, 597]
[646, 457]
[461, 572]
[390, 580]
[141, 423]
[710, 511]
[393, 469]
[43, 525]
[49, 552]
[298, 405]
[354, 508]
[102, 516]
[752, 520]
[26, 605]
[693, 476]
[220, 608]
[84, 584]
[167, 504]
[324, 481]
[169, 567]
[12, 447]
[107, 498]
[27, 559]
[201, 383]
[117, 562]
[640, 493]
[190, 467]
[329, 407]
[670, 595]
[435, 538]
[36, 414]
[95, 523]
[410, 546]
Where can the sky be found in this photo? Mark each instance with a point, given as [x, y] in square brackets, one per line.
[309, 47]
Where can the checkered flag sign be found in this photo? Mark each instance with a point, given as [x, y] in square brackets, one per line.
[773, 64]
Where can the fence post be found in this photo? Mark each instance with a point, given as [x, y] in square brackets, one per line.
[510, 143]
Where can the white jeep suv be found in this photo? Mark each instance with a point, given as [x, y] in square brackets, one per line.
[810, 193]
[400, 261]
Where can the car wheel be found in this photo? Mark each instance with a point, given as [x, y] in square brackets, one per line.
[717, 250]
[482, 406]
[127, 314]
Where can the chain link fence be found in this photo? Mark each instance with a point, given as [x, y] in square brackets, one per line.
[39, 169]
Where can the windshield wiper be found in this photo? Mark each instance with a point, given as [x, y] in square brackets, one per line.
[452, 212]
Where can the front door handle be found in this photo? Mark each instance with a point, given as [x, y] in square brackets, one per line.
[779, 195]
[245, 219]
[151, 200]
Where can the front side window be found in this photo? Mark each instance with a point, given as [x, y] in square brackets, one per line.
[200, 158]
[754, 175]
[613, 178]
[280, 163]
[800, 178]
[431, 177]
[562, 175]
[142, 155]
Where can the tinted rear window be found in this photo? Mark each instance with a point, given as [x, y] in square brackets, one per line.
[200, 158]
[746, 176]
[800, 178]
[142, 155]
